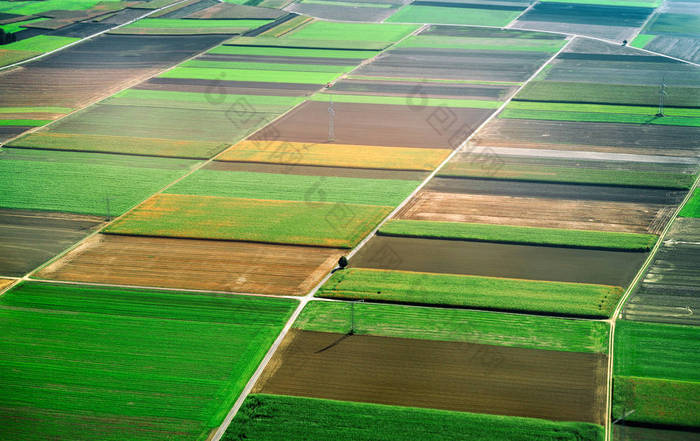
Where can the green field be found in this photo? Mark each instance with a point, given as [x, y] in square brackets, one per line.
[36, 7]
[504, 43]
[17, 26]
[671, 23]
[274, 76]
[624, 118]
[692, 207]
[326, 30]
[386, 192]
[519, 235]
[642, 40]
[86, 363]
[621, 94]
[454, 16]
[279, 418]
[579, 175]
[10, 57]
[406, 100]
[24, 122]
[328, 68]
[40, 43]
[558, 298]
[203, 101]
[286, 51]
[654, 350]
[463, 325]
[281, 222]
[691, 113]
[628, 3]
[82, 182]
[657, 401]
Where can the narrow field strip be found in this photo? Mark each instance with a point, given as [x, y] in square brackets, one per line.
[625, 118]
[448, 324]
[87, 363]
[276, 418]
[336, 155]
[281, 222]
[600, 240]
[406, 100]
[558, 298]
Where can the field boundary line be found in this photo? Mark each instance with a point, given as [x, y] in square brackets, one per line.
[618, 310]
[310, 296]
[512, 22]
[653, 14]
[19, 63]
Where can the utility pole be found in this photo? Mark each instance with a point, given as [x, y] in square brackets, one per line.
[331, 120]
[662, 94]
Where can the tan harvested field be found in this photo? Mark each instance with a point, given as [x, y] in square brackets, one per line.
[194, 264]
[562, 386]
[377, 125]
[4, 283]
[625, 217]
[335, 155]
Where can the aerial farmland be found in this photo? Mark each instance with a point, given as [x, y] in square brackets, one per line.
[361, 220]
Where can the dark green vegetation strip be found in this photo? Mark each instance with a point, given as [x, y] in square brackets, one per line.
[692, 207]
[385, 192]
[556, 298]
[85, 363]
[519, 235]
[624, 118]
[446, 324]
[274, 417]
[84, 183]
[657, 401]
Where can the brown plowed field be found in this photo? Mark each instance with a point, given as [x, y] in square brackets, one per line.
[458, 376]
[537, 212]
[194, 264]
[599, 137]
[377, 125]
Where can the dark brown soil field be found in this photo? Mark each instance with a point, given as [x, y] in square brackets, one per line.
[377, 124]
[631, 433]
[30, 238]
[9, 132]
[455, 64]
[310, 170]
[602, 137]
[555, 191]
[414, 91]
[232, 11]
[468, 377]
[96, 68]
[195, 264]
[319, 61]
[499, 260]
[216, 87]
[670, 291]
[538, 212]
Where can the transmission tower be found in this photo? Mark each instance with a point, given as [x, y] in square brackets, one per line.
[662, 94]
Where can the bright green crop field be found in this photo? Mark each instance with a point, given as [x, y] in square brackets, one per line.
[281, 222]
[35, 7]
[692, 207]
[270, 76]
[557, 298]
[287, 51]
[326, 30]
[654, 350]
[40, 43]
[87, 363]
[82, 182]
[463, 325]
[519, 235]
[385, 192]
[454, 16]
[484, 44]
[277, 418]
[17, 26]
